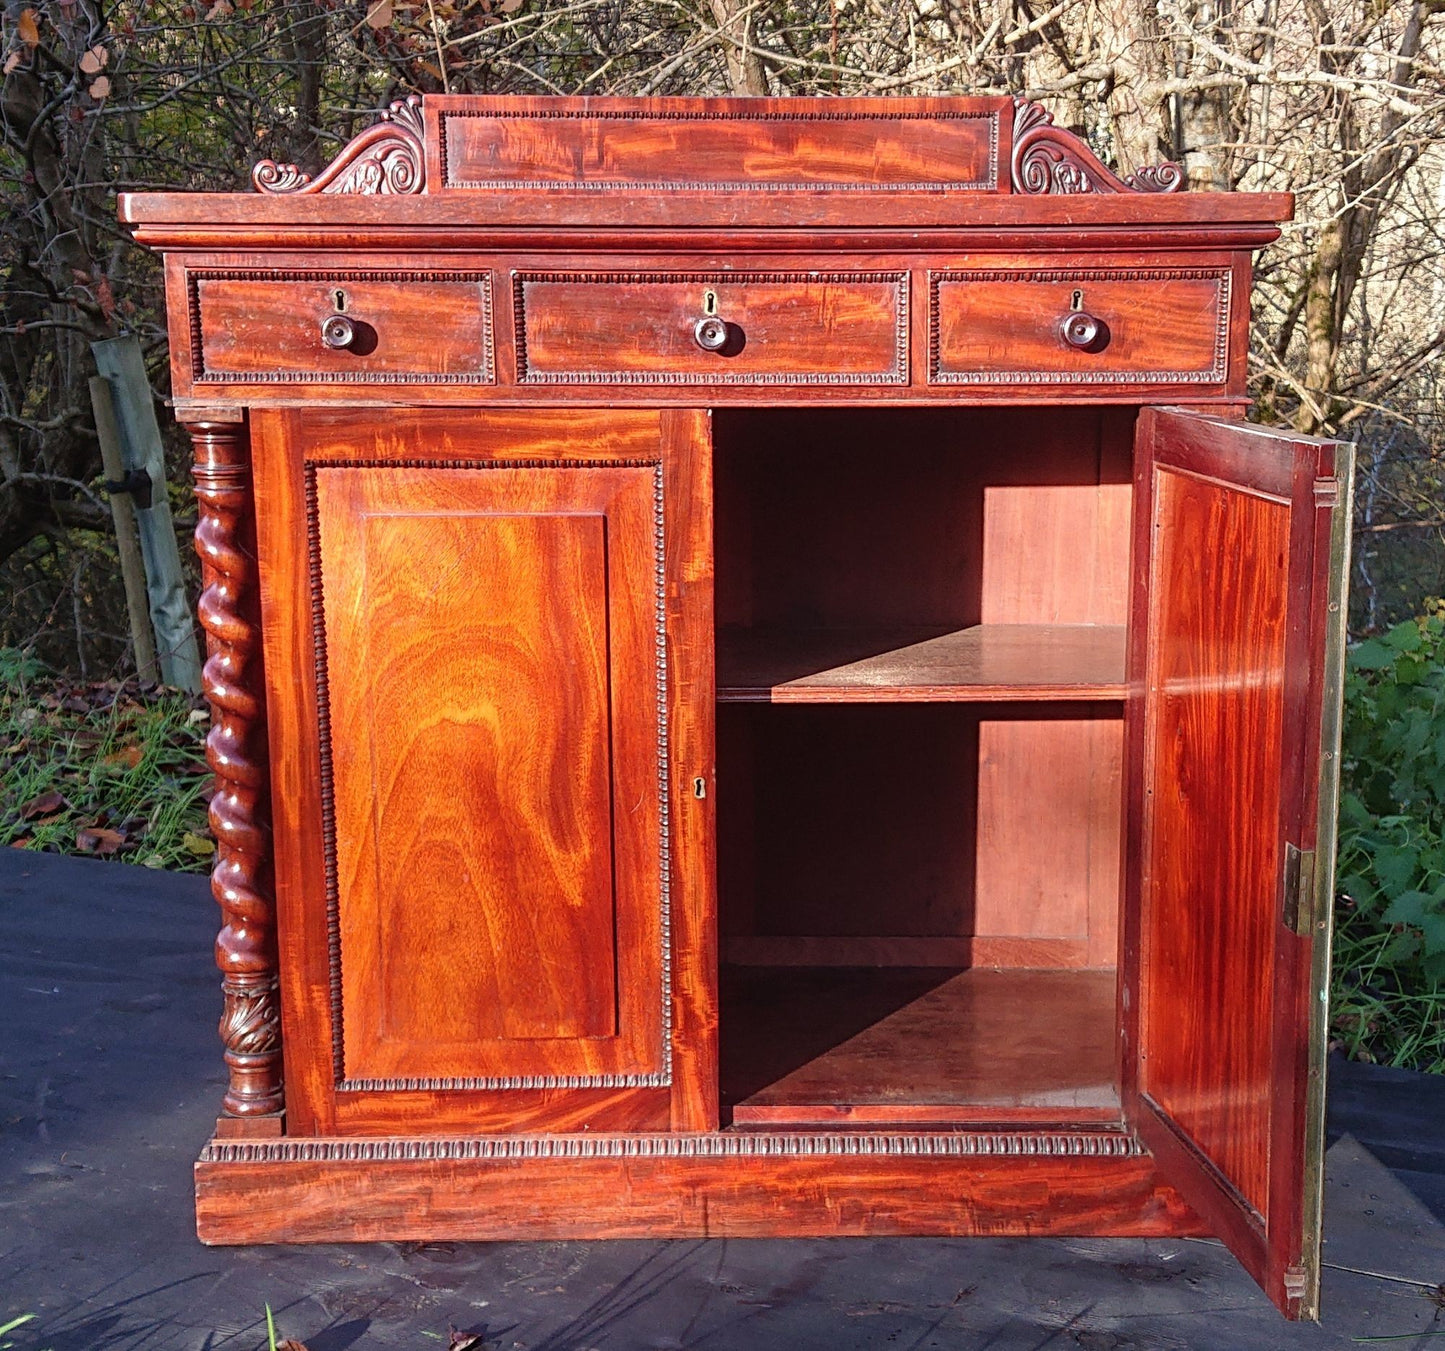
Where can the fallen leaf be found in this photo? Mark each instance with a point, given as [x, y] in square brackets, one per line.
[127, 757]
[99, 88]
[28, 28]
[12, 61]
[378, 14]
[93, 61]
[464, 1341]
[104, 296]
[22, 843]
[511, 6]
[219, 10]
[197, 844]
[290, 1344]
[44, 805]
[98, 840]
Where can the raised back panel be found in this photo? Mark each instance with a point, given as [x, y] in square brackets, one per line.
[749, 145]
[496, 802]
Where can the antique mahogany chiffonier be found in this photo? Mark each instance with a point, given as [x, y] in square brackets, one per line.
[762, 684]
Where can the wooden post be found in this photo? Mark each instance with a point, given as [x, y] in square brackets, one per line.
[122, 511]
[236, 750]
[120, 361]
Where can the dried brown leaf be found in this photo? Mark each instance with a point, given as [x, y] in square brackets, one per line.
[98, 840]
[378, 14]
[12, 61]
[511, 6]
[28, 27]
[45, 805]
[464, 1341]
[99, 88]
[93, 61]
[127, 757]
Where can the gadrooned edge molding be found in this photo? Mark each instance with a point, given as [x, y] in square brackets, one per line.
[959, 1144]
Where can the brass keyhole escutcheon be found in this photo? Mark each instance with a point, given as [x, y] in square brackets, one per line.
[709, 303]
[338, 299]
[1077, 303]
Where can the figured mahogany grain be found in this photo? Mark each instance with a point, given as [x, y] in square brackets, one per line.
[783, 328]
[478, 622]
[805, 1045]
[420, 328]
[1237, 575]
[777, 1196]
[1161, 326]
[1217, 682]
[989, 663]
[434, 456]
[644, 146]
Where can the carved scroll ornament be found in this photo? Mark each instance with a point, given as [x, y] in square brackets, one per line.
[385, 159]
[1048, 159]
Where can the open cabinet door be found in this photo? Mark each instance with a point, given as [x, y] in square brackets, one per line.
[1240, 557]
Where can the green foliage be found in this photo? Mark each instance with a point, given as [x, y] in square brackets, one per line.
[1389, 995]
[102, 768]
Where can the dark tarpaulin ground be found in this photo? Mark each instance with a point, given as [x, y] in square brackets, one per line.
[109, 1078]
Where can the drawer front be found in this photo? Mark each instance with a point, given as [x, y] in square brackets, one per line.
[1080, 327]
[730, 328]
[341, 328]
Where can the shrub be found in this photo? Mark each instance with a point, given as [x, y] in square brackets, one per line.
[1389, 970]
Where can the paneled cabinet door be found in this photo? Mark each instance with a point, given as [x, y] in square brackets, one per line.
[1240, 563]
[478, 932]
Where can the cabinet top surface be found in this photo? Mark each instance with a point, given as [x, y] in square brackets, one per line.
[459, 161]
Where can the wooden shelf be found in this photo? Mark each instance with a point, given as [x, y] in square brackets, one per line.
[988, 663]
[899, 1044]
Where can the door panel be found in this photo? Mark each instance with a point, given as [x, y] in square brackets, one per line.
[480, 849]
[485, 650]
[1230, 689]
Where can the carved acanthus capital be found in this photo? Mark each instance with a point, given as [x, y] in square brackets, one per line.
[388, 158]
[1048, 159]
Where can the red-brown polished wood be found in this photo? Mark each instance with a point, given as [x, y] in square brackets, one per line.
[509, 390]
[1236, 575]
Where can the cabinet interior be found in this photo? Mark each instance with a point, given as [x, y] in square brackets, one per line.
[920, 671]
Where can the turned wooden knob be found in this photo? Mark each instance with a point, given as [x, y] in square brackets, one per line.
[1082, 331]
[711, 334]
[338, 332]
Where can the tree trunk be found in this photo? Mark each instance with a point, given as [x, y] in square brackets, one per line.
[746, 71]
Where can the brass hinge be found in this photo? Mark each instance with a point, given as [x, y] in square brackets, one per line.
[1299, 890]
[1295, 1282]
[1327, 492]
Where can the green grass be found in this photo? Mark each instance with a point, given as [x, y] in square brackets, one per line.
[102, 768]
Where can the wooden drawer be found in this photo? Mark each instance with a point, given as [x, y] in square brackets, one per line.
[405, 328]
[779, 328]
[1167, 326]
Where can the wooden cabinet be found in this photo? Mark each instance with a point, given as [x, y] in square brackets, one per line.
[762, 685]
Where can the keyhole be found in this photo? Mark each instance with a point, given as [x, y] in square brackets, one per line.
[709, 302]
[1077, 303]
[338, 298]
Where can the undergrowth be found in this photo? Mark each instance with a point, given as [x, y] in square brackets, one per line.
[1388, 1001]
[102, 768]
